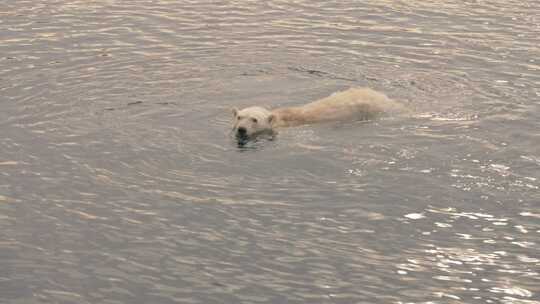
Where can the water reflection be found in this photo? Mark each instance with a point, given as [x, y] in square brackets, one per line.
[120, 183]
[466, 269]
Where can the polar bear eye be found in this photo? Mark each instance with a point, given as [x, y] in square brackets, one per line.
[254, 120]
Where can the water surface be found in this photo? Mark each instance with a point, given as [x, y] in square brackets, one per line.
[120, 183]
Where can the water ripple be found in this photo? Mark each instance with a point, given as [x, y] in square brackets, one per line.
[119, 183]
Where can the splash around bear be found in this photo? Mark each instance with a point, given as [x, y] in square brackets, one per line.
[349, 105]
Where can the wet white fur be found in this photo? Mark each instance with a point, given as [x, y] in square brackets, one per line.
[351, 104]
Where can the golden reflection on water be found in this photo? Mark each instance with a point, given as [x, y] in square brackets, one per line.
[469, 269]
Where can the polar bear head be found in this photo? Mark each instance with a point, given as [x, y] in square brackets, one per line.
[251, 122]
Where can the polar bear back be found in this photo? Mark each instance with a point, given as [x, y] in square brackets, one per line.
[351, 104]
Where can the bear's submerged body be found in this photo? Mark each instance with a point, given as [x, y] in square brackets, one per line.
[349, 105]
[352, 104]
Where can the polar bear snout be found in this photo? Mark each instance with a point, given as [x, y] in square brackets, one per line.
[241, 132]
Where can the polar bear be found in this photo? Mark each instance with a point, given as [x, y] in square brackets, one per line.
[351, 104]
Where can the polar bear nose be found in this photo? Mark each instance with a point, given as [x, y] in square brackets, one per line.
[242, 131]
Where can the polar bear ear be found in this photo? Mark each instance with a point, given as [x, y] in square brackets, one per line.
[271, 118]
[234, 112]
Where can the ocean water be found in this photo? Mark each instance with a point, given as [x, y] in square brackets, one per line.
[120, 181]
